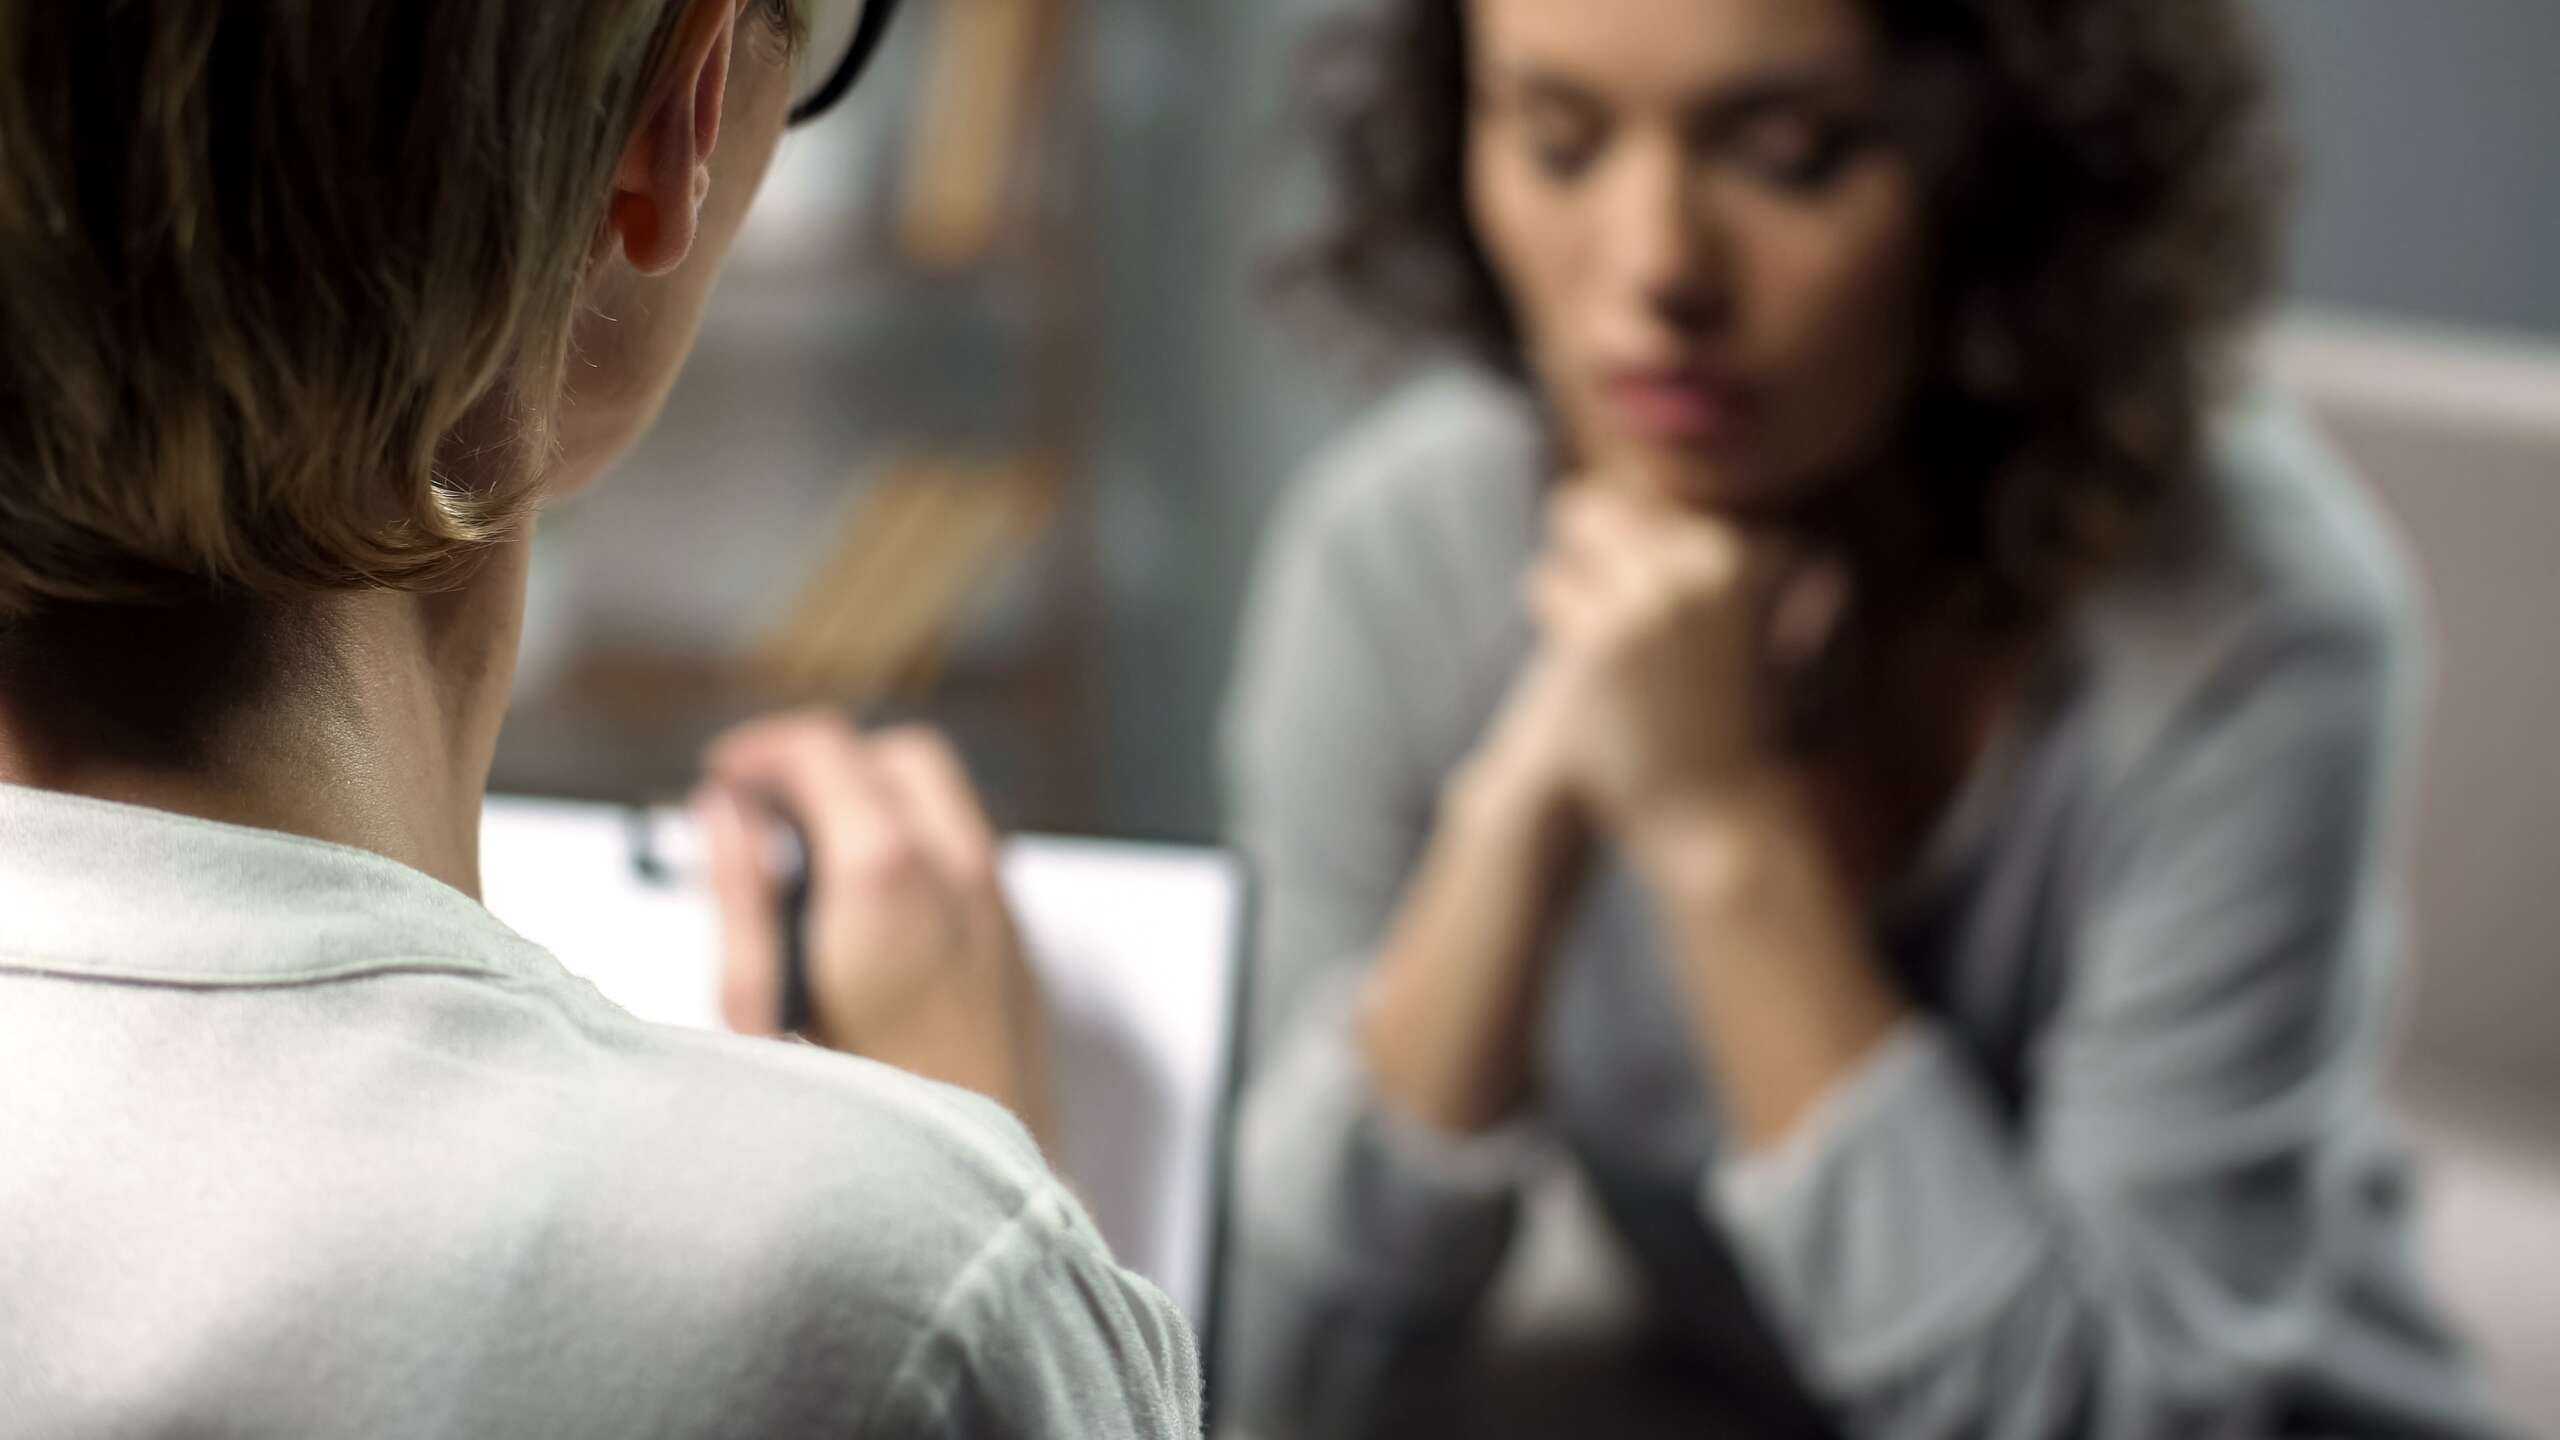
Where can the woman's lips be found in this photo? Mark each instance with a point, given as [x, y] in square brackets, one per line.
[1678, 406]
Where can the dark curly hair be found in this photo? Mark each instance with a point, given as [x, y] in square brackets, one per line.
[2101, 186]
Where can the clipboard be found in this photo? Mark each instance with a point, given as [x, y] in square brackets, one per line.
[1140, 949]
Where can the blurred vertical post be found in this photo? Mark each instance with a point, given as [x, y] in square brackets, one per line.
[990, 208]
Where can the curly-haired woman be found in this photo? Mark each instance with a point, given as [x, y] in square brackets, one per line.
[1837, 719]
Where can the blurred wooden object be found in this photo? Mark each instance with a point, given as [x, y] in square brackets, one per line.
[966, 140]
[901, 584]
[993, 199]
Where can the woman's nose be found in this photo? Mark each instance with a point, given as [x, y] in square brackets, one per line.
[1670, 256]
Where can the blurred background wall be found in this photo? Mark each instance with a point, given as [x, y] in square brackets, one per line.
[2434, 138]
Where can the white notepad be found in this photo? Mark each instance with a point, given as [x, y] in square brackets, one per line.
[1138, 947]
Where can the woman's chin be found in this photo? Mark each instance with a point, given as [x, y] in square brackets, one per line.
[1718, 482]
[585, 456]
[594, 432]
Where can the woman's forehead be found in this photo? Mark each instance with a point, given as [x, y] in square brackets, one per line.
[1673, 52]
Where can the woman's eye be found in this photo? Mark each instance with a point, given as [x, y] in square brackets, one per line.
[1565, 162]
[1564, 154]
[786, 21]
[1799, 156]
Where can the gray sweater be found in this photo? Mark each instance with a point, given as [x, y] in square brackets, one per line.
[2128, 1173]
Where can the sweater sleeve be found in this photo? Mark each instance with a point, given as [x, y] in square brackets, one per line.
[1361, 1239]
[2155, 1240]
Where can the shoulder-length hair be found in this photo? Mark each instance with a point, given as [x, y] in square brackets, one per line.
[262, 261]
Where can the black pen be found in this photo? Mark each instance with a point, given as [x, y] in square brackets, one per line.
[666, 849]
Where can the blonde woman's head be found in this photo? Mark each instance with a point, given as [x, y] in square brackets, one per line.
[301, 295]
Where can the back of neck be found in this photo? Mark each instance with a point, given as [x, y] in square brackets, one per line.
[364, 718]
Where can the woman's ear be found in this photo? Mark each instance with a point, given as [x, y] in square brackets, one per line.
[665, 172]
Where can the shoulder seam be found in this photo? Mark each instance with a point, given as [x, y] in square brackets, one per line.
[1034, 1219]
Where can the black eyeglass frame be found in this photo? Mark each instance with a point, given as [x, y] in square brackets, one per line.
[867, 35]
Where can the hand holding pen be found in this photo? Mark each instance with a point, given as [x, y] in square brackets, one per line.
[911, 955]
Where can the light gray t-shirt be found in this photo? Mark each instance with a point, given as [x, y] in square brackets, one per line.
[298, 1141]
[2124, 1174]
